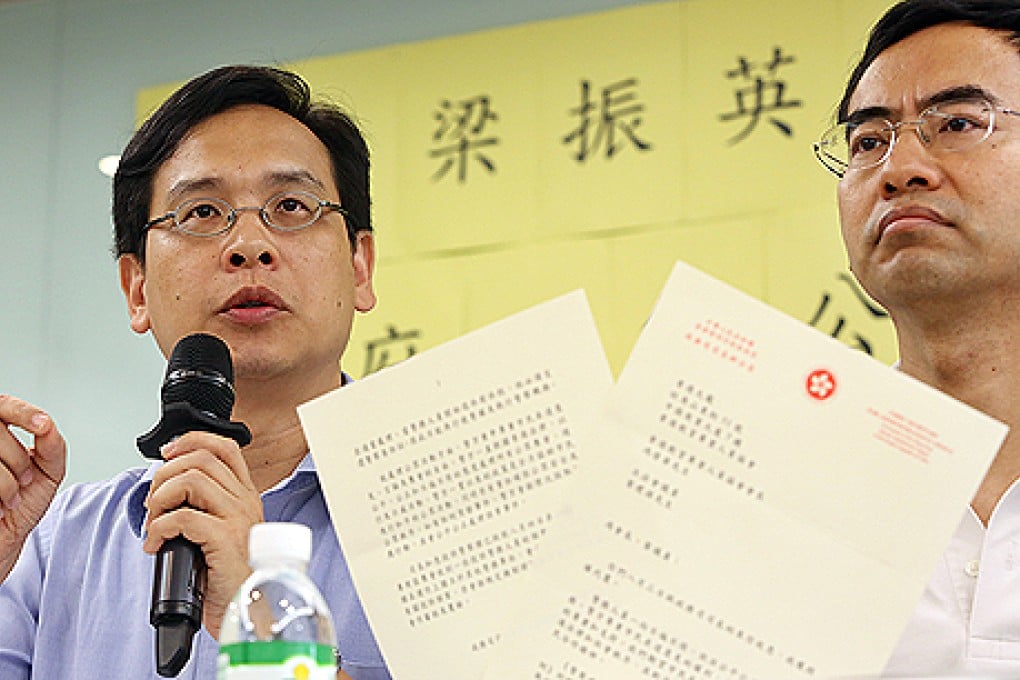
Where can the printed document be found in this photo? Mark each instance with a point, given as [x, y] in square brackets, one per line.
[443, 474]
[758, 501]
[752, 499]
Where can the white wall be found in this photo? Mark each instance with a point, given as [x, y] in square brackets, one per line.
[69, 72]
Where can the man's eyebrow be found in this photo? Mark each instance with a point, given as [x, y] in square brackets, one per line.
[190, 186]
[284, 177]
[869, 113]
[960, 93]
[957, 93]
[272, 179]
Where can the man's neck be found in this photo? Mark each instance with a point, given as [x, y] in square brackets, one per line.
[975, 359]
[269, 409]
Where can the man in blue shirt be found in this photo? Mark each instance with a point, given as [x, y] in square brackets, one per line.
[241, 209]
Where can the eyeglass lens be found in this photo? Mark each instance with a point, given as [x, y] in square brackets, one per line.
[952, 126]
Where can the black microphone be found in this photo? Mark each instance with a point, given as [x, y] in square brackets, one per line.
[197, 394]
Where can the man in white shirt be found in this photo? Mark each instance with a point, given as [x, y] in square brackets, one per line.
[928, 155]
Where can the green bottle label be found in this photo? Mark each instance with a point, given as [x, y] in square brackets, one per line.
[276, 660]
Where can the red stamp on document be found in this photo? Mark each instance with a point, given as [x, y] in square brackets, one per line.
[820, 384]
[725, 343]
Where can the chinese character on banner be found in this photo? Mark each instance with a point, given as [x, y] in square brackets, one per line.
[460, 135]
[378, 353]
[826, 310]
[617, 110]
[761, 92]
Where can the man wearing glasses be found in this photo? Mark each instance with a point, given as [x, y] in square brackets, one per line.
[241, 209]
[927, 153]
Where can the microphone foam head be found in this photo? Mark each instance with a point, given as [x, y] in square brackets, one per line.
[200, 372]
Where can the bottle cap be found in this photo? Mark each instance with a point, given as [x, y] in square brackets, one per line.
[274, 541]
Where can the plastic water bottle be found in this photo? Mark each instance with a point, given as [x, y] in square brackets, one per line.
[278, 625]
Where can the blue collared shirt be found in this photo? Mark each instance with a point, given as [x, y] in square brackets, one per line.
[76, 605]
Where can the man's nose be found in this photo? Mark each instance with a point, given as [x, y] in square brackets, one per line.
[249, 241]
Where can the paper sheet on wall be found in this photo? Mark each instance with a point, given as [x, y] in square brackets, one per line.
[757, 501]
[443, 472]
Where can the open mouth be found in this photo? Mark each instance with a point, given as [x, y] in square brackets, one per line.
[253, 304]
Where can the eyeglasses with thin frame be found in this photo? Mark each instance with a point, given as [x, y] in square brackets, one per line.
[950, 126]
[286, 211]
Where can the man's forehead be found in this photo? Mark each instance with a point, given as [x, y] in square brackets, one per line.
[939, 63]
[256, 147]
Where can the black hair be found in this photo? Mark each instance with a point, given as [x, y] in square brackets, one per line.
[912, 16]
[212, 93]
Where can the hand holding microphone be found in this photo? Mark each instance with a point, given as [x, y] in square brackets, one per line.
[202, 501]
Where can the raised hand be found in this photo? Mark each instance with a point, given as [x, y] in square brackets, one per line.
[29, 476]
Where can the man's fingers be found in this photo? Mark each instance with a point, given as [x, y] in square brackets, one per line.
[223, 448]
[194, 488]
[48, 443]
[15, 462]
[16, 458]
[50, 450]
[31, 469]
[185, 522]
[20, 413]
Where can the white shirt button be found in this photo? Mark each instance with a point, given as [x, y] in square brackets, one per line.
[972, 568]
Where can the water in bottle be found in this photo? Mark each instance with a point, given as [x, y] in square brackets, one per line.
[278, 625]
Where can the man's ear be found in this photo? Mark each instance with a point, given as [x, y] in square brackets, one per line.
[364, 265]
[132, 282]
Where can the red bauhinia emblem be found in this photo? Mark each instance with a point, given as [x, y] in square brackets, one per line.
[820, 384]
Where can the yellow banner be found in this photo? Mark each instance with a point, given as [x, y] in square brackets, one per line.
[515, 164]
